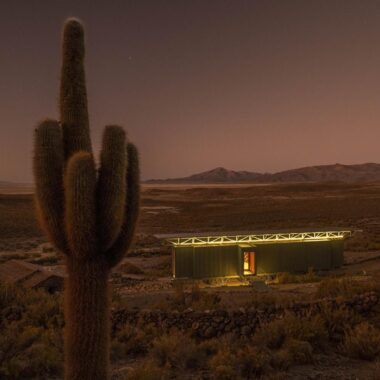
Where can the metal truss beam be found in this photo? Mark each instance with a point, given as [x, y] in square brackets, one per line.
[259, 238]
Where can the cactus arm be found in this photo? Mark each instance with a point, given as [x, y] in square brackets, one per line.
[124, 240]
[111, 188]
[48, 173]
[80, 210]
[73, 93]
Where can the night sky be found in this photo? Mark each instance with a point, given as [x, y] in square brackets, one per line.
[248, 85]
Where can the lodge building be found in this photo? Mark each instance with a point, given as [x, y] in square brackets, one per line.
[255, 253]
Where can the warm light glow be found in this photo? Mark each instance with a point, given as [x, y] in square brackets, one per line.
[260, 238]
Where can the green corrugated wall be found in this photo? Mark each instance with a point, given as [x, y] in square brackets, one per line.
[183, 262]
[201, 262]
[221, 261]
[298, 257]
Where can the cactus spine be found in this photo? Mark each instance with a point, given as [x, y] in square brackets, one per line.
[89, 216]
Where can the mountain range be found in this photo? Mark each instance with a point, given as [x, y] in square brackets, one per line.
[367, 172]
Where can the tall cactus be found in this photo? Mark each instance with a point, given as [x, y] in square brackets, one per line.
[89, 216]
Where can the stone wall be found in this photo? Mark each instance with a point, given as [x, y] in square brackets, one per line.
[212, 323]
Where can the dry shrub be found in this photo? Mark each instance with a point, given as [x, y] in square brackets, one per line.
[362, 342]
[211, 346]
[177, 351]
[148, 370]
[224, 372]
[293, 352]
[340, 287]
[337, 320]
[129, 268]
[291, 340]
[290, 278]
[129, 341]
[299, 352]
[263, 300]
[28, 353]
[31, 340]
[281, 359]
[195, 299]
[310, 329]
[202, 300]
[272, 335]
[248, 362]
[252, 362]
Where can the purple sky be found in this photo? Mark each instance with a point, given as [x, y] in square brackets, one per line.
[250, 85]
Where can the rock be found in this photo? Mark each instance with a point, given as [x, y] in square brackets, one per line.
[210, 332]
[195, 325]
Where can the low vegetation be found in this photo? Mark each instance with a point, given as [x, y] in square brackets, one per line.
[31, 321]
[290, 278]
[362, 342]
[194, 299]
[31, 341]
[342, 287]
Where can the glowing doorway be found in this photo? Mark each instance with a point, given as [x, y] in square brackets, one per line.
[249, 263]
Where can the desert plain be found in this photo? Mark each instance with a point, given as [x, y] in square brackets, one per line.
[144, 280]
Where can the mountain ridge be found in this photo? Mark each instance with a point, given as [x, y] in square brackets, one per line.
[366, 172]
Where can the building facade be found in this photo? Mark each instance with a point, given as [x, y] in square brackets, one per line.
[247, 254]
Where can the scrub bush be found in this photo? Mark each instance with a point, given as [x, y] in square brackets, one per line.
[195, 299]
[362, 342]
[290, 278]
[148, 370]
[177, 351]
[298, 351]
[130, 341]
[310, 329]
[293, 352]
[31, 323]
[246, 362]
[339, 287]
[337, 320]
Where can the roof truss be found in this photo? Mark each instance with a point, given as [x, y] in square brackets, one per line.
[259, 238]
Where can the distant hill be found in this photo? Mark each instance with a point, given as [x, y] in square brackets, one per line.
[324, 173]
[216, 175]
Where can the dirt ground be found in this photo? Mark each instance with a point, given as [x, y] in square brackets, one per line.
[180, 208]
[175, 209]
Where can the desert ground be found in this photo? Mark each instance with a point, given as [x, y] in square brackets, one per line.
[143, 281]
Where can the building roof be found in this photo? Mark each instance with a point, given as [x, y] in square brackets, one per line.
[39, 278]
[14, 271]
[257, 237]
[27, 274]
[248, 232]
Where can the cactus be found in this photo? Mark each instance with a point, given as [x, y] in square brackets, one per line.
[89, 215]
